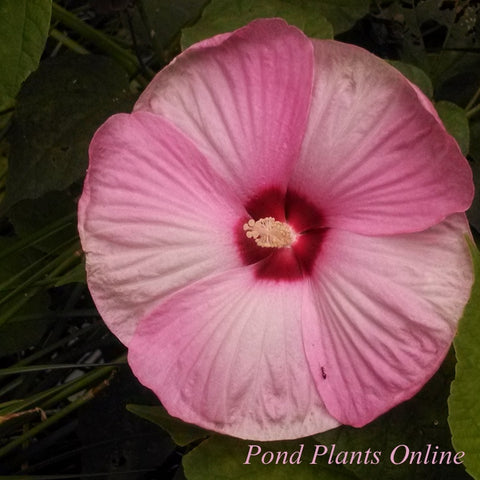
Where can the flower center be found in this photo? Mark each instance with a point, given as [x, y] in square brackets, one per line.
[270, 233]
[288, 236]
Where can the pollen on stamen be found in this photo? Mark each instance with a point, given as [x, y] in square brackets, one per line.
[270, 233]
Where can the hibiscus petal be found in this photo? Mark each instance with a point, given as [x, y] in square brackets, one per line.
[153, 217]
[226, 353]
[243, 98]
[375, 158]
[372, 344]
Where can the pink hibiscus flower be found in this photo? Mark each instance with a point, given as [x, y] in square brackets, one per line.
[277, 234]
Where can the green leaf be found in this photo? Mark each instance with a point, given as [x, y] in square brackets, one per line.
[456, 123]
[59, 108]
[182, 433]
[226, 15]
[415, 75]
[475, 139]
[24, 31]
[433, 34]
[3, 174]
[223, 458]
[464, 407]
[160, 21]
[22, 331]
[473, 213]
[459, 21]
[342, 14]
[29, 216]
[76, 275]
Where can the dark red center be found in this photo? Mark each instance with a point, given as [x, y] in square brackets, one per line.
[288, 263]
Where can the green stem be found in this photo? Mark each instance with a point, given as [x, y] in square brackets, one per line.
[80, 384]
[157, 48]
[46, 272]
[41, 353]
[53, 366]
[83, 313]
[7, 111]
[126, 58]
[49, 272]
[68, 42]
[29, 402]
[12, 282]
[39, 235]
[11, 386]
[51, 348]
[52, 420]
[473, 100]
[54, 395]
[473, 111]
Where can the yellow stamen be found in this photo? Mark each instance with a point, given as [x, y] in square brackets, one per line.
[270, 233]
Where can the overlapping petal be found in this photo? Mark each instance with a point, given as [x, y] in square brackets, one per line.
[243, 99]
[381, 314]
[226, 353]
[375, 159]
[153, 217]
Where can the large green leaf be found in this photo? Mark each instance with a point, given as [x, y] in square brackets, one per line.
[474, 211]
[226, 15]
[59, 108]
[464, 405]
[182, 433]
[223, 458]
[342, 14]
[160, 21]
[23, 35]
[456, 123]
[415, 75]
[76, 275]
[29, 216]
[434, 35]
